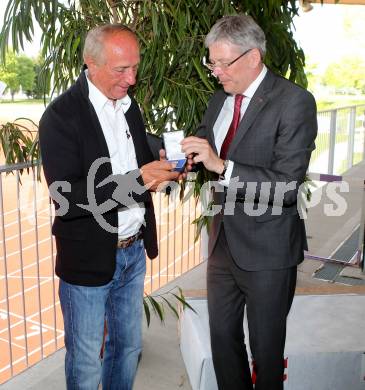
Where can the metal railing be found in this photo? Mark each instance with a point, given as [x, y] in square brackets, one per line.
[340, 142]
[31, 325]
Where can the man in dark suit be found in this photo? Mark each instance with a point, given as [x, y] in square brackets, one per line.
[98, 165]
[260, 162]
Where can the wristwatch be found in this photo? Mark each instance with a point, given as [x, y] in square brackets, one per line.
[225, 167]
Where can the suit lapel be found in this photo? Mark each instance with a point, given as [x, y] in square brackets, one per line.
[216, 109]
[257, 103]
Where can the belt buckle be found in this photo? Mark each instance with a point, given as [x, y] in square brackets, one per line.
[126, 242]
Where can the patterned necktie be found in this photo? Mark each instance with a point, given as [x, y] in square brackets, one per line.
[233, 126]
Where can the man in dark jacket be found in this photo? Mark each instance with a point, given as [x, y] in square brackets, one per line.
[98, 166]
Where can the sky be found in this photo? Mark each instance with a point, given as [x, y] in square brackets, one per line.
[330, 32]
[326, 33]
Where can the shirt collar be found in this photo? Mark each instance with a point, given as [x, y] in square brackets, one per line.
[99, 100]
[250, 91]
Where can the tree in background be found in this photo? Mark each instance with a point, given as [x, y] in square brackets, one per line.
[346, 75]
[17, 72]
[26, 73]
[173, 86]
[9, 74]
[313, 76]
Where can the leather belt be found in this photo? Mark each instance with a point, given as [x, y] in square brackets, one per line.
[126, 242]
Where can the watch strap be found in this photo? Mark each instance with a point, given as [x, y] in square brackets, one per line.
[225, 166]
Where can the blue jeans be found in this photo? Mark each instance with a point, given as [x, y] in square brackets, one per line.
[84, 309]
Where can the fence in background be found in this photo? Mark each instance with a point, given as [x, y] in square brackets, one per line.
[340, 143]
[31, 325]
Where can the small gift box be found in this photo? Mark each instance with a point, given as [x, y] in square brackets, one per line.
[174, 154]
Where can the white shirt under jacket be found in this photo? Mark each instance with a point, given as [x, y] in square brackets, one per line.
[224, 119]
[121, 151]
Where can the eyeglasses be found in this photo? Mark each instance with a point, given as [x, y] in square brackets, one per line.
[223, 65]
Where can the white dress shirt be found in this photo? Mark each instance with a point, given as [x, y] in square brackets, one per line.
[121, 151]
[221, 126]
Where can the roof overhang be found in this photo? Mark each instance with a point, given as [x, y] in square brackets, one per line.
[352, 2]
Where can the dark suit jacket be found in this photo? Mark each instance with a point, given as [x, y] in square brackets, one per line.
[273, 144]
[71, 139]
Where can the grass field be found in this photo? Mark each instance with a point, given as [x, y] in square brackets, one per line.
[330, 102]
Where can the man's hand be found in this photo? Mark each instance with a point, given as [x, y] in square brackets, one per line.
[157, 172]
[198, 150]
[188, 166]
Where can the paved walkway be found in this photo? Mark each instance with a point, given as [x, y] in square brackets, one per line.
[336, 211]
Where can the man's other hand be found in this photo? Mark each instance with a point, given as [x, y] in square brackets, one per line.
[200, 151]
[157, 172]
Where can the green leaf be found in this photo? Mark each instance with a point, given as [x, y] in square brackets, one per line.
[202, 74]
[75, 45]
[157, 308]
[171, 307]
[183, 302]
[147, 312]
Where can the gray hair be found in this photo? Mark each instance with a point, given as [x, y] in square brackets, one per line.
[240, 30]
[94, 42]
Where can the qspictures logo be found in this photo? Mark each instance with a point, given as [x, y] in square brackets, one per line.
[251, 198]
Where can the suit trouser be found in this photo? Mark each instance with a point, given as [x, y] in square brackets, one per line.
[267, 295]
